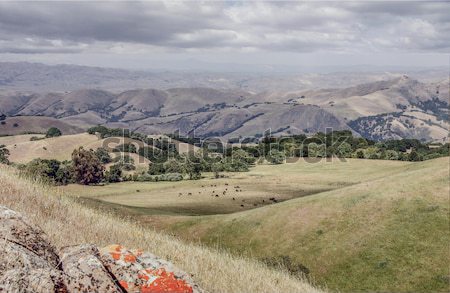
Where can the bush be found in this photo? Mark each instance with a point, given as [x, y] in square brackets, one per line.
[87, 167]
[114, 174]
[103, 155]
[170, 177]
[4, 154]
[143, 177]
[35, 138]
[53, 132]
[275, 157]
[155, 169]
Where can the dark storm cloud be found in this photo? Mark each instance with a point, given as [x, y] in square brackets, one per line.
[65, 27]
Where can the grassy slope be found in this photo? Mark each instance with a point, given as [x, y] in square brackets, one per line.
[256, 187]
[385, 234]
[67, 223]
[23, 150]
[35, 124]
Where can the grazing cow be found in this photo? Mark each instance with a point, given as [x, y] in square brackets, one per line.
[242, 205]
[217, 195]
[234, 198]
[189, 193]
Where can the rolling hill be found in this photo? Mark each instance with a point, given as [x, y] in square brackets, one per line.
[35, 124]
[66, 223]
[60, 148]
[387, 106]
[388, 233]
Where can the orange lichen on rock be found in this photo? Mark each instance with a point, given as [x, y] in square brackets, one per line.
[143, 272]
[162, 281]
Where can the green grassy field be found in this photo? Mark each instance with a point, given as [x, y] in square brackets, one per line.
[360, 225]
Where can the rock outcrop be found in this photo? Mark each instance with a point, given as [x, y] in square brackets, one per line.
[30, 263]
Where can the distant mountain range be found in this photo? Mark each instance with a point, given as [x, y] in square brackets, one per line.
[383, 106]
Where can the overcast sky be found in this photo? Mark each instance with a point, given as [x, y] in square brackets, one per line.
[183, 35]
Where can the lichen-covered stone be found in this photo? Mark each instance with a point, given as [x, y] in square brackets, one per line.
[85, 272]
[143, 272]
[14, 228]
[29, 263]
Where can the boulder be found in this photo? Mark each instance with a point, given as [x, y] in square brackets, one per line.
[84, 271]
[137, 271]
[30, 263]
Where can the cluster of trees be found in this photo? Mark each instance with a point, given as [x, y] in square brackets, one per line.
[344, 144]
[84, 168]
[193, 164]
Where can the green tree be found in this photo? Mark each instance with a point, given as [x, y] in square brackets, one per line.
[391, 155]
[414, 156]
[174, 166]
[64, 175]
[344, 150]
[216, 168]
[155, 169]
[4, 154]
[87, 168]
[241, 155]
[359, 154]
[316, 150]
[103, 155]
[275, 157]
[53, 132]
[194, 165]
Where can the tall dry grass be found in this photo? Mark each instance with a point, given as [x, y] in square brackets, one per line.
[67, 223]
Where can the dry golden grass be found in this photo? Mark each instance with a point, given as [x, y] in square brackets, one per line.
[68, 223]
[60, 148]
